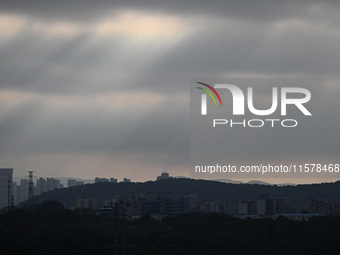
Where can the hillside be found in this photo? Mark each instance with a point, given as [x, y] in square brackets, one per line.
[211, 190]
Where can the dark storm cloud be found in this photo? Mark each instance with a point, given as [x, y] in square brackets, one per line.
[79, 65]
[262, 10]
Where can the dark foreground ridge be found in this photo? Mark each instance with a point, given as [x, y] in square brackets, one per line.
[49, 229]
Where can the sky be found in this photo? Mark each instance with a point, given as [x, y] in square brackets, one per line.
[101, 88]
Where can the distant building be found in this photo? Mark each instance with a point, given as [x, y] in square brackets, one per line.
[98, 180]
[126, 180]
[282, 206]
[41, 185]
[248, 208]
[87, 203]
[265, 206]
[218, 207]
[318, 206]
[336, 207]
[125, 205]
[252, 207]
[164, 176]
[113, 180]
[14, 193]
[22, 190]
[191, 203]
[6, 178]
[53, 184]
[73, 182]
[169, 206]
[164, 206]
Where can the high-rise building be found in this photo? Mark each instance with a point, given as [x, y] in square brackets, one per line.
[98, 180]
[41, 185]
[73, 182]
[23, 190]
[6, 179]
[14, 193]
[53, 184]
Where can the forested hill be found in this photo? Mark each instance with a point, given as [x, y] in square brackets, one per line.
[210, 190]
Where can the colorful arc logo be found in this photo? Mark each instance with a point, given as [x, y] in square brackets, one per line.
[209, 93]
[204, 97]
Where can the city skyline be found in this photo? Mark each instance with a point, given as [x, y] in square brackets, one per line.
[158, 176]
[20, 192]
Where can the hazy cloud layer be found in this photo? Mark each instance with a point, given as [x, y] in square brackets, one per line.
[111, 79]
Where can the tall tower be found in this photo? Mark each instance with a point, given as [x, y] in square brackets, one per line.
[6, 178]
[12, 201]
[30, 185]
[9, 182]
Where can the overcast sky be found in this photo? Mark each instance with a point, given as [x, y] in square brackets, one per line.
[101, 88]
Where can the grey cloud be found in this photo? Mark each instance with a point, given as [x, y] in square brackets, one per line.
[89, 129]
[224, 37]
[255, 51]
[262, 10]
[77, 65]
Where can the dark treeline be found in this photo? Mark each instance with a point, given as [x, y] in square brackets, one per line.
[49, 229]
